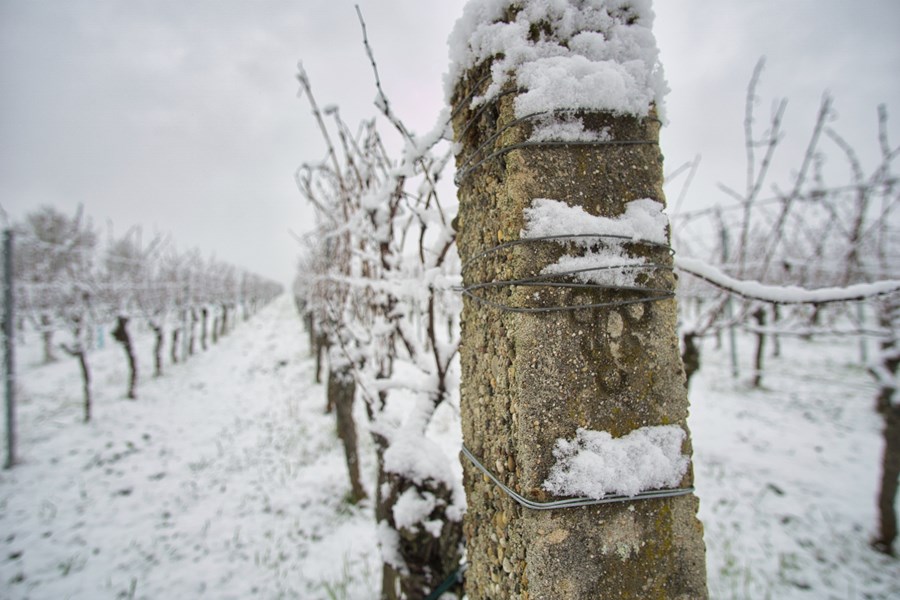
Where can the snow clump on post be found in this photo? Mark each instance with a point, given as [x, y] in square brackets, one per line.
[597, 55]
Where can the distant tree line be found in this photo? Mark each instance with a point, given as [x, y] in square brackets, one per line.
[72, 284]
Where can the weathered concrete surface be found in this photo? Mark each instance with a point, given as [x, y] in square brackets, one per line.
[529, 379]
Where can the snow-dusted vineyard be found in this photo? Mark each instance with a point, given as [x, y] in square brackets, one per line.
[226, 476]
[225, 480]
[69, 280]
[75, 292]
[222, 481]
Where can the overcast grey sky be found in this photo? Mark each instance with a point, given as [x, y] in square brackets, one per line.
[182, 115]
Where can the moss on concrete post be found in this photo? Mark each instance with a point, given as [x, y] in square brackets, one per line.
[530, 379]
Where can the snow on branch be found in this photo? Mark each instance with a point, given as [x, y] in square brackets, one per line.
[783, 294]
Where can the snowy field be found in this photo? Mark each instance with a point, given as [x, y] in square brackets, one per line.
[787, 475]
[225, 480]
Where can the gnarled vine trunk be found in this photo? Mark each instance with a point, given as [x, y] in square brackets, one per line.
[341, 392]
[429, 555]
[158, 339]
[888, 405]
[79, 352]
[887, 489]
[204, 326]
[47, 338]
[121, 335]
[690, 356]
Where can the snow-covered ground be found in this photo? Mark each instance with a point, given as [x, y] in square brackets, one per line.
[225, 480]
[787, 475]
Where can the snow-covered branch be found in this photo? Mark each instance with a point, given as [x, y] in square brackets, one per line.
[783, 294]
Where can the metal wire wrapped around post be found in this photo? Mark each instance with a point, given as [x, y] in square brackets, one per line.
[565, 279]
[487, 150]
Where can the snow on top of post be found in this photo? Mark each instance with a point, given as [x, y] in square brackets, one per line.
[597, 55]
[595, 464]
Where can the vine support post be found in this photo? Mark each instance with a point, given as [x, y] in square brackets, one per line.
[863, 346]
[530, 379]
[9, 369]
[729, 308]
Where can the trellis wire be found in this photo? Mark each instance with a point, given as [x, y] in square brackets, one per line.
[465, 102]
[552, 279]
[573, 502]
[463, 173]
[546, 280]
[467, 167]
